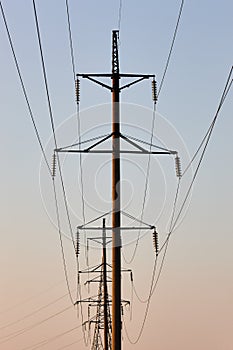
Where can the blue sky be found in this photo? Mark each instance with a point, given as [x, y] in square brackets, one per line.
[193, 300]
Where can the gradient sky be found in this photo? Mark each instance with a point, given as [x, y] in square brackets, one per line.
[192, 306]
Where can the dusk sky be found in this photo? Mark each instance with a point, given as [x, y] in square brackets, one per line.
[191, 308]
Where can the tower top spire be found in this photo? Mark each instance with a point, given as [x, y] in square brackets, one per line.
[115, 57]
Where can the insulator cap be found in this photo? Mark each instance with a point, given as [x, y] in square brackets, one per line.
[154, 91]
[77, 90]
[54, 165]
[178, 167]
[156, 242]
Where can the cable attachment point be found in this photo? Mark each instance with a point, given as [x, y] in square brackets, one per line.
[54, 163]
[156, 242]
[77, 90]
[178, 167]
[77, 246]
[154, 91]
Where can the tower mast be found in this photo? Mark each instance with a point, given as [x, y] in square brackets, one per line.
[116, 199]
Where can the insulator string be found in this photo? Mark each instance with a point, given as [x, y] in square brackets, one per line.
[54, 164]
[154, 91]
[77, 90]
[178, 167]
[77, 250]
[156, 242]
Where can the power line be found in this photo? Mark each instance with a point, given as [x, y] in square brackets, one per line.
[77, 106]
[78, 292]
[42, 342]
[32, 116]
[68, 345]
[225, 93]
[47, 341]
[44, 73]
[153, 126]
[51, 114]
[34, 312]
[24, 89]
[171, 48]
[22, 331]
[70, 38]
[146, 311]
[61, 243]
[119, 14]
[222, 100]
[30, 298]
[174, 221]
[154, 282]
[146, 185]
[56, 146]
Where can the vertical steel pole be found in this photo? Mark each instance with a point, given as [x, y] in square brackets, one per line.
[104, 262]
[116, 200]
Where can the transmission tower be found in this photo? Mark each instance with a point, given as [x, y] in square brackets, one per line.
[116, 136]
[102, 338]
[102, 320]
